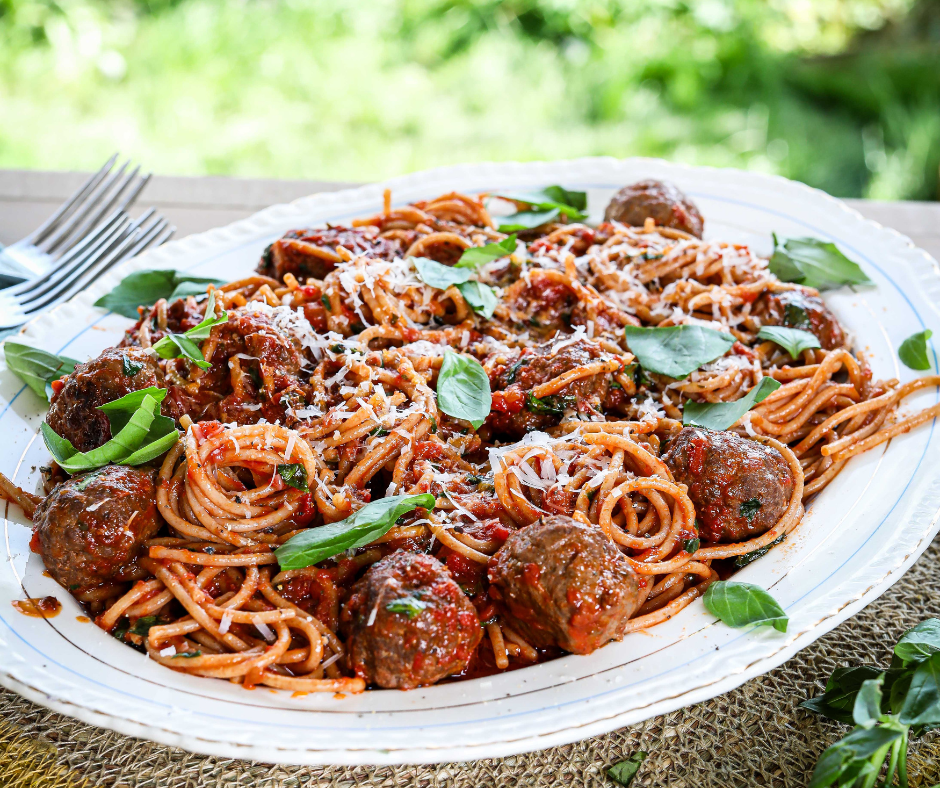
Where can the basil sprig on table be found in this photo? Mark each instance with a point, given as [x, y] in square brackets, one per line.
[369, 523]
[544, 206]
[479, 297]
[793, 340]
[887, 708]
[139, 434]
[623, 772]
[476, 256]
[174, 345]
[814, 263]
[35, 367]
[722, 415]
[143, 288]
[913, 350]
[463, 389]
[744, 604]
[676, 351]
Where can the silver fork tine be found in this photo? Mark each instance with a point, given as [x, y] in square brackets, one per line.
[148, 236]
[78, 267]
[98, 265]
[100, 193]
[78, 251]
[92, 220]
[43, 230]
[138, 188]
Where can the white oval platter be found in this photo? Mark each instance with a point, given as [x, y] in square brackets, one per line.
[858, 538]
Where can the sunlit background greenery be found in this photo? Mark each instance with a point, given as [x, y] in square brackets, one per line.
[841, 94]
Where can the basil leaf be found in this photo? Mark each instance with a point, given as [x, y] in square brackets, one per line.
[845, 760]
[129, 367]
[922, 705]
[175, 345]
[743, 604]
[203, 329]
[920, 642]
[294, 475]
[142, 625]
[435, 274]
[35, 367]
[743, 560]
[676, 351]
[527, 220]
[362, 527]
[552, 405]
[842, 688]
[410, 606]
[623, 772]
[572, 204]
[193, 287]
[139, 434]
[793, 340]
[480, 298]
[722, 415]
[463, 389]
[814, 263]
[750, 508]
[476, 256]
[144, 288]
[867, 708]
[691, 546]
[913, 350]
[188, 654]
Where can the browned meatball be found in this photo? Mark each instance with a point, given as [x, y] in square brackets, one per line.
[662, 202]
[561, 583]
[798, 309]
[516, 411]
[306, 253]
[408, 624]
[74, 413]
[740, 488]
[91, 527]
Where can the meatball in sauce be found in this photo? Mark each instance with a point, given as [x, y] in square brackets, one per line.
[799, 309]
[118, 371]
[408, 624]
[564, 584]
[91, 528]
[740, 488]
[661, 202]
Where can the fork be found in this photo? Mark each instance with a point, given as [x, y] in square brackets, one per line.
[104, 191]
[117, 238]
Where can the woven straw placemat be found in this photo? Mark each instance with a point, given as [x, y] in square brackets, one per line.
[753, 736]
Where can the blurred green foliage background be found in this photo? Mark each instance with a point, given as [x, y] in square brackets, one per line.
[841, 94]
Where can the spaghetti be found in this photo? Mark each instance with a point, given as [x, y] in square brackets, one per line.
[329, 366]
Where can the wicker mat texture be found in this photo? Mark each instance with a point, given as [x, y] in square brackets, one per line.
[753, 736]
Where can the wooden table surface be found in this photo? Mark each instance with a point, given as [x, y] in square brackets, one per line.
[197, 204]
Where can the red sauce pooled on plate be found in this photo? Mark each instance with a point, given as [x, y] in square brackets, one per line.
[46, 607]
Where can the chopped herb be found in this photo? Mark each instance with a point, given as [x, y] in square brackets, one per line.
[514, 370]
[87, 479]
[471, 479]
[410, 606]
[379, 432]
[142, 625]
[748, 558]
[796, 317]
[552, 405]
[691, 546]
[615, 385]
[188, 654]
[266, 256]
[433, 425]
[130, 367]
[750, 508]
[325, 300]
[294, 475]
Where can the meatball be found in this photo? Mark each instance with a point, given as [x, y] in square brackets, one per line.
[118, 371]
[740, 488]
[91, 528]
[408, 624]
[561, 583]
[306, 253]
[656, 200]
[517, 411]
[799, 309]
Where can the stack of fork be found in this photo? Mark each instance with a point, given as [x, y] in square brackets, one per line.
[86, 236]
